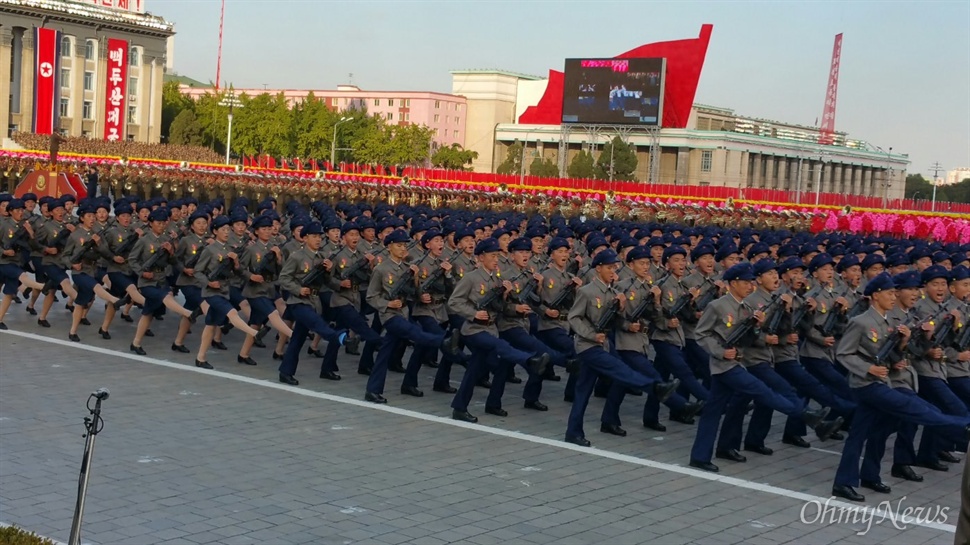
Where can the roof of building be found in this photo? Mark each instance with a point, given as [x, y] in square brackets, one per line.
[187, 81]
[498, 71]
[92, 11]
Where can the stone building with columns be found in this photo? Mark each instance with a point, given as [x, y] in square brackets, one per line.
[85, 28]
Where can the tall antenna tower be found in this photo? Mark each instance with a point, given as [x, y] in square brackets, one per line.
[222, 18]
[827, 131]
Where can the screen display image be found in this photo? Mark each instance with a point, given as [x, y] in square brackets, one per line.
[613, 91]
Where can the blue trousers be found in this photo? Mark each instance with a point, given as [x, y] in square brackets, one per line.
[878, 406]
[938, 392]
[521, 339]
[559, 340]
[422, 354]
[736, 380]
[651, 407]
[348, 317]
[593, 362]
[810, 387]
[828, 375]
[396, 330]
[366, 361]
[699, 362]
[961, 387]
[670, 361]
[904, 447]
[760, 423]
[305, 321]
[488, 352]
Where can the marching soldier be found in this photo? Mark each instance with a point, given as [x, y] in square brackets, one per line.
[187, 256]
[82, 253]
[260, 265]
[119, 241]
[16, 233]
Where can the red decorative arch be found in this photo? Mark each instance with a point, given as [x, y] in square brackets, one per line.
[685, 59]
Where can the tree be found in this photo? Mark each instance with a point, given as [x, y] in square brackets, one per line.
[373, 145]
[624, 161]
[186, 129]
[410, 144]
[918, 187]
[453, 157]
[513, 161]
[173, 103]
[581, 166]
[544, 168]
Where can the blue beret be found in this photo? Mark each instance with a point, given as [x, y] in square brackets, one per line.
[5, 197]
[640, 252]
[655, 241]
[332, 223]
[820, 261]
[486, 246]
[763, 266]
[700, 251]
[396, 236]
[595, 242]
[158, 214]
[807, 249]
[122, 208]
[85, 208]
[199, 213]
[758, 248]
[464, 232]
[536, 231]
[898, 259]
[848, 260]
[238, 216]
[429, 235]
[725, 252]
[741, 271]
[872, 260]
[933, 272]
[787, 250]
[264, 206]
[627, 242]
[220, 221]
[348, 227]
[312, 228]
[69, 198]
[47, 199]
[262, 221]
[606, 257]
[672, 251]
[940, 257]
[790, 264]
[15, 204]
[881, 282]
[907, 280]
[565, 232]
[366, 223]
[520, 244]
[496, 234]
[960, 272]
[918, 253]
[557, 243]
[29, 197]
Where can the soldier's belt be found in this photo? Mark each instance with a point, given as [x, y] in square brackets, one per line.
[562, 317]
[484, 322]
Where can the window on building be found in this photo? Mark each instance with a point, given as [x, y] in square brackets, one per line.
[66, 46]
[134, 59]
[436, 117]
[434, 132]
[407, 103]
[86, 134]
[390, 102]
[132, 114]
[89, 50]
[706, 157]
[132, 87]
[88, 110]
[407, 117]
[65, 110]
[390, 116]
[457, 120]
[89, 81]
[65, 77]
[377, 102]
[456, 135]
[437, 104]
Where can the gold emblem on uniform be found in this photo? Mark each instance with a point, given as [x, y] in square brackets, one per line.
[390, 278]
[482, 291]
[151, 248]
[551, 284]
[343, 262]
[633, 295]
[599, 303]
[730, 320]
[823, 310]
[873, 335]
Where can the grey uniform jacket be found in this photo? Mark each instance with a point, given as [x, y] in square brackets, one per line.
[926, 308]
[343, 260]
[215, 257]
[760, 351]
[554, 280]
[299, 264]
[634, 291]
[468, 292]
[671, 290]
[693, 280]
[144, 249]
[386, 277]
[955, 367]
[114, 238]
[463, 264]
[509, 318]
[436, 308]
[45, 238]
[252, 261]
[905, 378]
[857, 350]
[814, 345]
[8, 231]
[714, 328]
[187, 256]
[79, 247]
[592, 300]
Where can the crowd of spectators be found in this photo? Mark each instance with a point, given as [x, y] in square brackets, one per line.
[87, 146]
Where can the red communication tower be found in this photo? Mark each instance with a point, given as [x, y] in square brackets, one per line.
[827, 131]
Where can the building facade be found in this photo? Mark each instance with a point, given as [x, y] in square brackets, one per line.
[956, 175]
[86, 28]
[444, 114]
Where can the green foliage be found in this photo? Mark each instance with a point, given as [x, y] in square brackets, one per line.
[11, 535]
[186, 129]
[581, 166]
[624, 159]
[513, 160]
[453, 157]
[173, 103]
[920, 188]
[544, 168]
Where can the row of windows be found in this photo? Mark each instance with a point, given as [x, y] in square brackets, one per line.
[444, 132]
[89, 82]
[450, 105]
[90, 51]
[404, 102]
[437, 118]
[87, 110]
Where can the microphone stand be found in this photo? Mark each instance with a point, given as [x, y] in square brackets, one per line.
[93, 424]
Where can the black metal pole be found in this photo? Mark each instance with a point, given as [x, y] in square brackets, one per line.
[93, 424]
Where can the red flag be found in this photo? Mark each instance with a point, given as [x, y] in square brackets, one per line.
[299, 163]
[47, 70]
[313, 164]
[270, 161]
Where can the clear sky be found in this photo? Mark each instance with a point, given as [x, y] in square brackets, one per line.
[904, 82]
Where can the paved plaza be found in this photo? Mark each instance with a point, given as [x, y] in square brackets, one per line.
[231, 456]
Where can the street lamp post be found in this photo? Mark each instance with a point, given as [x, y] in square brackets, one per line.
[231, 101]
[933, 206]
[333, 142]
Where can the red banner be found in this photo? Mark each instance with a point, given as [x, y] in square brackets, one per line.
[115, 107]
[47, 72]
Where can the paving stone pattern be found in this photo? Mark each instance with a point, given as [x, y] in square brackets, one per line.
[193, 458]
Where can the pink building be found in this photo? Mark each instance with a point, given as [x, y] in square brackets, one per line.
[444, 114]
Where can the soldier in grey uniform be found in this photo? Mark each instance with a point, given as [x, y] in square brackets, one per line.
[15, 235]
[119, 240]
[82, 255]
[260, 265]
[52, 239]
[557, 294]
[435, 281]
[187, 255]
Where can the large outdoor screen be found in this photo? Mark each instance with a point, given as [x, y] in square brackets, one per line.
[613, 91]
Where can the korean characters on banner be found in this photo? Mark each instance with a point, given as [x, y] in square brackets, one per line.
[47, 69]
[116, 91]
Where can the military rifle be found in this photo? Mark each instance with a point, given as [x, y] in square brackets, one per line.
[834, 323]
[85, 248]
[608, 318]
[127, 245]
[267, 266]
[18, 241]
